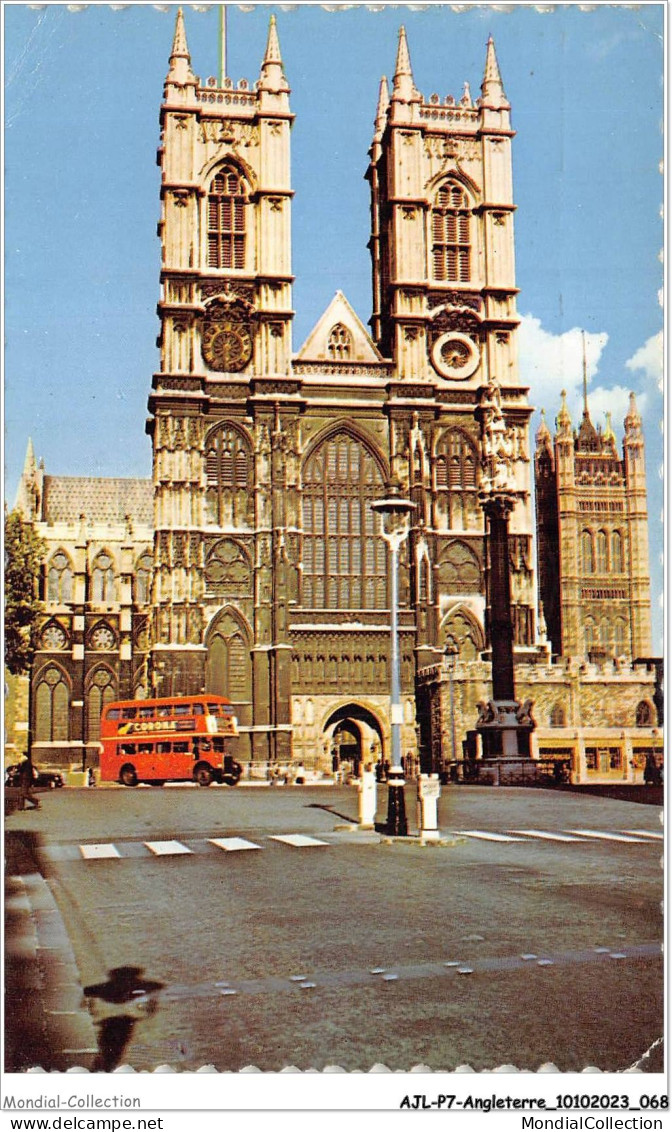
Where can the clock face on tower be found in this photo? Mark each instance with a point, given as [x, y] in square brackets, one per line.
[226, 344]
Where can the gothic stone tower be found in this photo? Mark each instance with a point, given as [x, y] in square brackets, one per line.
[220, 468]
[271, 578]
[592, 538]
[444, 308]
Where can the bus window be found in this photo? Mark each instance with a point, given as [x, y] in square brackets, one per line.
[181, 748]
[197, 709]
[113, 713]
[128, 713]
[164, 748]
[145, 748]
[218, 745]
[127, 748]
[164, 711]
[182, 709]
[146, 713]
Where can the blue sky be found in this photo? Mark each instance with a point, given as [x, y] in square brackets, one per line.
[83, 84]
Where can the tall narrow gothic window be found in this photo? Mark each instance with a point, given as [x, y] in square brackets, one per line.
[143, 579]
[344, 557]
[587, 554]
[52, 701]
[226, 219]
[101, 690]
[339, 346]
[451, 234]
[59, 578]
[455, 472]
[103, 586]
[228, 467]
[616, 552]
[601, 552]
[229, 671]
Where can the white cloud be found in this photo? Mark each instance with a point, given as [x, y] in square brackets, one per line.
[649, 359]
[550, 362]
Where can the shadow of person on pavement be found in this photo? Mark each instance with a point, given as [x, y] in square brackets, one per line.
[124, 986]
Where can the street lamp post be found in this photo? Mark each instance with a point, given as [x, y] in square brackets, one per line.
[450, 653]
[395, 522]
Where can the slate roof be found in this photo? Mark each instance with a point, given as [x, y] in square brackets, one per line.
[65, 498]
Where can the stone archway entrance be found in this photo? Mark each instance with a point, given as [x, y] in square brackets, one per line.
[354, 737]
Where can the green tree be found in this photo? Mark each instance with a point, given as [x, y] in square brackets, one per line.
[24, 553]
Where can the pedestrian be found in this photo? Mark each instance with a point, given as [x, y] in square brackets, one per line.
[91, 777]
[26, 786]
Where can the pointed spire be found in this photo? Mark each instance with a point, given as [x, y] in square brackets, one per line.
[403, 66]
[491, 87]
[383, 104]
[609, 434]
[272, 75]
[404, 87]
[29, 464]
[180, 49]
[543, 433]
[633, 421]
[273, 45]
[585, 377]
[179, 70]
[563, 421]
[466, 99]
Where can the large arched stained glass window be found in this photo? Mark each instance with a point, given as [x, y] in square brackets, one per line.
[344, 556]
[226, 219]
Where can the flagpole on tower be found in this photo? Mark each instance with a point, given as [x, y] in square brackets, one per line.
[222, 44]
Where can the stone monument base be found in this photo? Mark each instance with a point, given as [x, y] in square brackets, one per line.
[505, 727]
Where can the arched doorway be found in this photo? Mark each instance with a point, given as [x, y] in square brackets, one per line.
[354, 738]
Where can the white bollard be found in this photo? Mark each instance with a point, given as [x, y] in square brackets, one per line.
[367, 800]
[429, 790]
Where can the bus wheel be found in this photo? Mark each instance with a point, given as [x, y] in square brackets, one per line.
[128, 776]
[203, 774]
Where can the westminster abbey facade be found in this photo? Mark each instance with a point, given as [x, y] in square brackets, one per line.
[251, 565]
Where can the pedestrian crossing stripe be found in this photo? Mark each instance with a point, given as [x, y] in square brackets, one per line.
[98, 852]
[483, 835]
[544, 835]
[166, 848]
[233, 844]
[600, 836]
[297, 840]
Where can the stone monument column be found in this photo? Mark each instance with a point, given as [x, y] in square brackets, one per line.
[503, 723]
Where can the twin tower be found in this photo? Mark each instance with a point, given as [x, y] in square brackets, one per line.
[270, 577]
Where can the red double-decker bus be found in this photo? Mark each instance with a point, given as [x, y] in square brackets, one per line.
[188, 738]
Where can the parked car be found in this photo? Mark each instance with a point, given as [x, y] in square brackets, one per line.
[47, 779]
